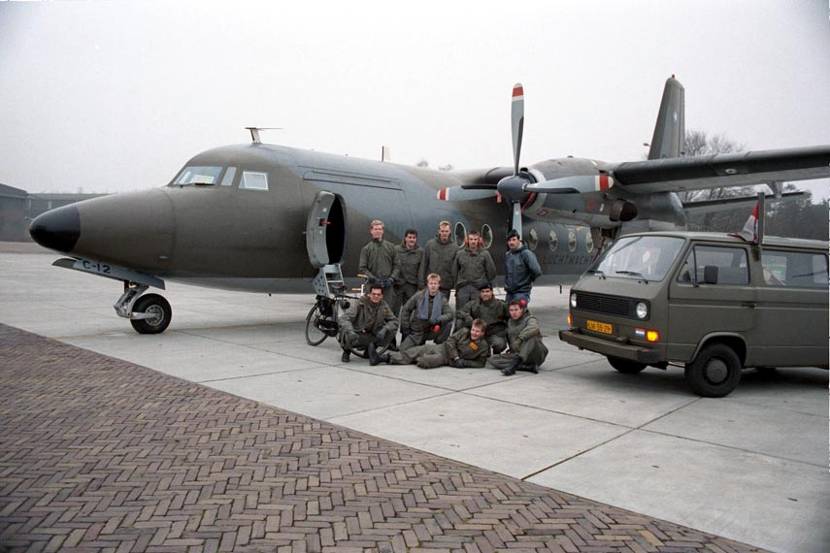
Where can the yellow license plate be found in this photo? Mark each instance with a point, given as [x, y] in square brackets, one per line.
[597, 326]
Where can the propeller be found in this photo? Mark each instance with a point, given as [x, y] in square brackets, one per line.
[512, 188]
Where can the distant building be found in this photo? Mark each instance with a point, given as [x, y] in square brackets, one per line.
[13, 214]
[18, 208]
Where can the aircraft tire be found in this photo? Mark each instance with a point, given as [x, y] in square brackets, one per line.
[626, 366]
[156, 305]
[715, 372]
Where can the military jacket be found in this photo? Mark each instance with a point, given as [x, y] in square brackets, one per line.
[378, 259]
[409, 311]
[474, 353]
[410, 263]
[363, 316]
[472, 267]
[438, 258]
[521, 269]
[521, 330]
[493, 312]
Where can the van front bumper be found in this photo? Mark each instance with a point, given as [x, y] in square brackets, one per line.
[615, 349]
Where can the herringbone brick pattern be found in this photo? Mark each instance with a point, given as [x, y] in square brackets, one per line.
[101, 455]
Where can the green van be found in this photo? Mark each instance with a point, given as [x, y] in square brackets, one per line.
[710, 302]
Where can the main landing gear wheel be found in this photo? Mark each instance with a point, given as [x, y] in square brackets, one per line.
[626, 366]
[158, 313]
[715, 371]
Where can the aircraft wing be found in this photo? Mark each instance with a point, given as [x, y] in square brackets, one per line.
[728, 204]
[723, 170]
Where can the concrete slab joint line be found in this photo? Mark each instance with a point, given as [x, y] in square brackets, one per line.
[98, 454]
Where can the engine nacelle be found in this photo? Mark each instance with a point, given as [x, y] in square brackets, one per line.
[622, 211]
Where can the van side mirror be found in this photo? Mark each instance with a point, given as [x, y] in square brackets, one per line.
[710, 274]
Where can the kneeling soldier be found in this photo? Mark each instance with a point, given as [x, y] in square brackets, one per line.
[426, 316]
[492, 311]
[527, 351]
[467, 348]
[369, 323]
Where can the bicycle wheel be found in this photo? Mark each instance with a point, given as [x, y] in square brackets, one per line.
[313, 335]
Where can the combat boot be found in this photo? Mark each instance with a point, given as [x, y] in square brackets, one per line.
[346, 356]
[372, 352]
[529, 367]
[510, 370]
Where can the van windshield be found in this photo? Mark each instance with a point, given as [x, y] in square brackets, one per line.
[640, 257]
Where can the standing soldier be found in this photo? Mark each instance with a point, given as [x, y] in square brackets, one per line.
[521, 269]
[472, 267]
[367, 323]
[466, 349]
[410, 257]
[492, 311]
[527, 351]
[427, 315]
[439, 253]
[379, 262]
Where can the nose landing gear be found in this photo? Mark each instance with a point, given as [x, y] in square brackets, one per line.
[148, 314]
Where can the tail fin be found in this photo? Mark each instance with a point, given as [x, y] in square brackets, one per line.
[670, 130]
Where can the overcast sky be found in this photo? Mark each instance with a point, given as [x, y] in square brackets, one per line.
[111, 96]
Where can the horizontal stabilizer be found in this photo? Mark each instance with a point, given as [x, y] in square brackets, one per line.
[729, 204]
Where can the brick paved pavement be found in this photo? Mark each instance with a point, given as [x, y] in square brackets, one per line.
[98, 454]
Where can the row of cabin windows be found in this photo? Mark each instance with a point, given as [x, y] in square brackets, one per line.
[224, 176]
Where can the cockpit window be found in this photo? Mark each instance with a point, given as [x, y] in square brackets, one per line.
[252, 180]
[198, 174]
[227, 180]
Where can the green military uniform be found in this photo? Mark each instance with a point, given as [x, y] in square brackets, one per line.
[459, 351]
[471, 269]
[379, 261]
[494, 313]
[438, 258]
[420, 314]
[408, 279]
[366, 322]
[526, 347]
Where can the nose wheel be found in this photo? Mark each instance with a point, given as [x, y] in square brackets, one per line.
[151, 314]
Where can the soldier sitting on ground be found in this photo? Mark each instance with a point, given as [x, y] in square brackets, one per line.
[426, 316]
[527, 351]
[369, 323]
[492, 311]
[467, 348]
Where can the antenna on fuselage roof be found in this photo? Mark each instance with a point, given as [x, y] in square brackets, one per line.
[255, 133]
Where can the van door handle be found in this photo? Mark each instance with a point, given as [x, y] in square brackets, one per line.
[750, 304]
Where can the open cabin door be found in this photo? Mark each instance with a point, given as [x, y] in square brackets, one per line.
[326, 230]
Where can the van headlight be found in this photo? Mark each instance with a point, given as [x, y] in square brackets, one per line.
[573, 299]
[641, 309]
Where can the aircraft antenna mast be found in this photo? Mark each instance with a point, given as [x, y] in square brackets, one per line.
[255, 133]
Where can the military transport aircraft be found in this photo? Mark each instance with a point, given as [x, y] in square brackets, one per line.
[265, 218]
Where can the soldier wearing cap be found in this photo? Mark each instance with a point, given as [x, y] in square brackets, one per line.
[492, 311]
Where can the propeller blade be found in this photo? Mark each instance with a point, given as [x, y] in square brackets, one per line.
[461, 194]
[517, 218]
[572, 185]
[517, 119]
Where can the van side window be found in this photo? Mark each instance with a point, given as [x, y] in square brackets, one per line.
[253, 181]
[794, 269]
[731, 262]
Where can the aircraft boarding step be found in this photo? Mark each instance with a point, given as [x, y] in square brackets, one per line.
[329, 281]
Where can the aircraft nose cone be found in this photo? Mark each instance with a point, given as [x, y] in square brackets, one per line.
[57, 229]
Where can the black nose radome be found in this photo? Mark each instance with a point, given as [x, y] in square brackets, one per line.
[57, 229]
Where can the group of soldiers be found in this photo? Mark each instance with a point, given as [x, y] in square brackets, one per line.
[409, 291]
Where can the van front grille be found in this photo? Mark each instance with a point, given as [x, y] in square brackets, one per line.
[601, 303]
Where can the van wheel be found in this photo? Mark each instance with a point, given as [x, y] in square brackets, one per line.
[715, 372]
[626, 366]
